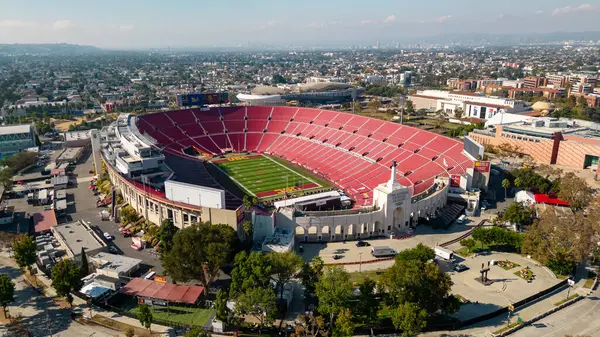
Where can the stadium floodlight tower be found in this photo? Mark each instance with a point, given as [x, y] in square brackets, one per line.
[394, 200]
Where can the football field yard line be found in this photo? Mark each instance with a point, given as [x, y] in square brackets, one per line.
[294, 172]
[232, 178]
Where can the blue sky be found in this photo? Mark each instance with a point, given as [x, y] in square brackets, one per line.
[189, 23]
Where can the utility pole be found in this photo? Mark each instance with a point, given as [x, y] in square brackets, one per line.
[401, 99]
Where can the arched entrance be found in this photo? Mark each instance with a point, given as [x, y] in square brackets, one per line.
[313, 234]
[301, 234]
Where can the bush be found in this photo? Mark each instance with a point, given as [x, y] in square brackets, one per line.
[129, 332]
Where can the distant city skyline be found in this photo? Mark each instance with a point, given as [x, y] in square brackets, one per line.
[137, 24]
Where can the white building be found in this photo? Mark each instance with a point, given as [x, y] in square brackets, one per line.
[472, 104]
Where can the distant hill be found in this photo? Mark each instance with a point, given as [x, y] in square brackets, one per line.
[47, 49]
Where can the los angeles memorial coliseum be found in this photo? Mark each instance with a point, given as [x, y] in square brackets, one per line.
[319, 174]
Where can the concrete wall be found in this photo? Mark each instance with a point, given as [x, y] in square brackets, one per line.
[156, 209]
[573, 150]
[540, 149]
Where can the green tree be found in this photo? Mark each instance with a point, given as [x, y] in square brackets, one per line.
[420, 253]
[285, 266]
[85, 267]
[6, 175]
[309, 325]
[357, 107]
[197, 332]
[145, 317]
[505, 186]
[575, 191]
[310, 274]
[247, 203]
[166, 233]
[374, 104]
[561, 242]
[248, 229]
[409, 318]
[344, 327]
[7, 292]
[367, 306]
[333, 290]
[421, 282]
[469, 243]
[24, 250]
[221, 306]
[66, 278]
[409, 106]
[250, 271]
[518, 214]
[459, 113]
[199, 252]
[129, 332]
[260, 303]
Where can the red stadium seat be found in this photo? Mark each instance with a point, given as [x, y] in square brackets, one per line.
[353, 152]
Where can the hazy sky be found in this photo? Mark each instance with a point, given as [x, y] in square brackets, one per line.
[196, 23]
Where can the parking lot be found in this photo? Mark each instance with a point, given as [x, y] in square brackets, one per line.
[81, 205]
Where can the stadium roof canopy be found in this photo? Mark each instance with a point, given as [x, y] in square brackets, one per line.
[13, 129]
[268, 90]
[162, 291]
[324, 86]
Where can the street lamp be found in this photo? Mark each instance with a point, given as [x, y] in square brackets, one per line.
[360, 262]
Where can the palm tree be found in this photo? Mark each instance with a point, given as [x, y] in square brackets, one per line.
[518, 182]
[505, 185]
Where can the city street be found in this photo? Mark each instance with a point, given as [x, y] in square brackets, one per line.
[41, 315]
[579, 319]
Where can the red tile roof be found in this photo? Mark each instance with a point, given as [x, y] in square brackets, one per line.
[163, 291]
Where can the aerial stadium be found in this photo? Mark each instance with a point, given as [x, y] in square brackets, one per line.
[324, 175]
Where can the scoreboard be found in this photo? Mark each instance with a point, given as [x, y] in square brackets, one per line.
[200, 99]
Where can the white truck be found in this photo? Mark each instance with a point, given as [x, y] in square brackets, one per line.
[444, 253]
[383, 251]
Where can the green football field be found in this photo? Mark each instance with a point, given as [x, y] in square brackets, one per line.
[264, 177]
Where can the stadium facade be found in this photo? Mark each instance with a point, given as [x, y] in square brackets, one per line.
[312, 93]
[16, 138]
[394, 175]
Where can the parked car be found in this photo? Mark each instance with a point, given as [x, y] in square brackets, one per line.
[337, 257]
[362, 244]
[113, 250]
[107, 236]
[459, 268]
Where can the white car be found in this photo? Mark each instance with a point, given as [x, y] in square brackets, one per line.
[107, 236]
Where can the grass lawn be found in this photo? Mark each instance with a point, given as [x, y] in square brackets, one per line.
[590, 280]
[372, 274]
[572, 296]
[464, 251]
[120, 326]
[180, 314]
[510, 326]
[265, 177]
[528, 276]
[177, 313]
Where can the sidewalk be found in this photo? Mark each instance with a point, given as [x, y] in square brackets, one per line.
[525, 312]
[81, 304]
